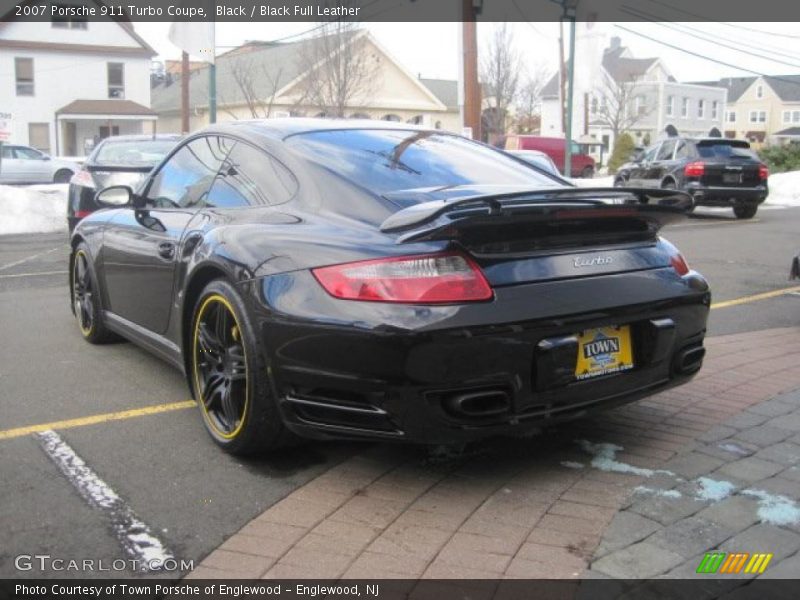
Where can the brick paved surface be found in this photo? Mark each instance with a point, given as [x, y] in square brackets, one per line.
[626, 502]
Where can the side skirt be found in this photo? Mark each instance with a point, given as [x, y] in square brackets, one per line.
[152, 342]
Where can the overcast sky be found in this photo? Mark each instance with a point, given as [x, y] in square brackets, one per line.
[431, 49]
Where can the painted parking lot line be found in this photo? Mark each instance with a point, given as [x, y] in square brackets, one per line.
[95, 419]
[29, 258]
[43, 273]
[146, 552]
[756, 297]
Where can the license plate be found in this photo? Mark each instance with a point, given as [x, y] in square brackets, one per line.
[731, 178]
[603, 351]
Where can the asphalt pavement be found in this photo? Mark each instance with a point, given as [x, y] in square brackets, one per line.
[191, 495]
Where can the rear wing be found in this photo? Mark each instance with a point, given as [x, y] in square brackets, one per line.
[442, 218]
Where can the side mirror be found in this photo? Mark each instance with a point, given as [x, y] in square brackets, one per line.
[45, 157]
[115, 196]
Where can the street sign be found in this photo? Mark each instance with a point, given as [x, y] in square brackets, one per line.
[6, 123]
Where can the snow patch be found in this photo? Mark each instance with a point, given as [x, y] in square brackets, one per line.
[605, 460]
[641, 489]
[594, 182]
[571, 464]
[784, 189]
[713, 490]
[775, 509]
[733, 448]
[33, 208]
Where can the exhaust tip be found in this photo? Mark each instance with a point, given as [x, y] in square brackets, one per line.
[690, 360]
[478, 404]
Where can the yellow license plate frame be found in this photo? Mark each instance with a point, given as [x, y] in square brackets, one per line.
[604, 351]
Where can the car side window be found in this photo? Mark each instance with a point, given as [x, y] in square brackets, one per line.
[252, 177]
[683, 150]
[8, 152]
[184, 180]
[665, 151]
[28, 153]
[650, 153]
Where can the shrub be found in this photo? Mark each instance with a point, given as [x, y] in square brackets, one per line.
[623, 148]
[781, 158]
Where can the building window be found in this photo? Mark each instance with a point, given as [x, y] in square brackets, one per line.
[685, 108]
[39, 136]
[639, 105]
[758, 116]
[69, 22]
[23, 69]
[116, 80]
[701, 109]
[670, 105]
[714, 109]
[760, 91]
[731, 116]
[594, 105]
[791, 116]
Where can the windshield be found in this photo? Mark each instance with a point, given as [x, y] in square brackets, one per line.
[139, 153]
[390, 160]
[725, 150]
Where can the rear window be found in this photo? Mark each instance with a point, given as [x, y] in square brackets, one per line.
[725, 150]
[139, 153]
[390, 160]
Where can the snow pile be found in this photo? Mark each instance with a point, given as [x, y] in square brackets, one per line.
[33, 209]
[784, 189]
[594, 182]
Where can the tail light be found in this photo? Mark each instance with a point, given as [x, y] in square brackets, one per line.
[763, 172]
[82, 213]
[448, 278]
[679, 264]
[695, 169]
[83, 178]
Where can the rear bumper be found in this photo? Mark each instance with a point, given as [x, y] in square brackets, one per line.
[726, 196]
[80, 201]
[456, 379]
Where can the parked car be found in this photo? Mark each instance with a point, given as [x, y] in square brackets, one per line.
[715, 171]
[328, 278]
[23, 164]
[583, 165]
[538, 159]
[118, 160]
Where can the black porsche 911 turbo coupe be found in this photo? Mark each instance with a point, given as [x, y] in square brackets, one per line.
[364, 279]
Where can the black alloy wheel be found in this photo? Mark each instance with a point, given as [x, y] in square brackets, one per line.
[86, 299]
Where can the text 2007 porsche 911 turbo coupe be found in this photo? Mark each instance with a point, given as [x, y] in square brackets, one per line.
[358, 279]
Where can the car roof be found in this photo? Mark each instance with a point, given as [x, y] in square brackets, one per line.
[141, 138]
[284, 127]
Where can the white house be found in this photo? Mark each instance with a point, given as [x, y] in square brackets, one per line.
[69, 83]
[652, 101]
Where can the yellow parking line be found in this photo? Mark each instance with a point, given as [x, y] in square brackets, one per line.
[94, 419]
[756, 297]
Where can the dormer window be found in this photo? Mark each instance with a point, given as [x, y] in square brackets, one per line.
[69, 22]
[760, 91]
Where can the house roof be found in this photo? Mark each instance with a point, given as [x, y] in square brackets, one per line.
[274, 67]
[446, 90]
[104, 107]
[790, 132]
[122, 21]
[550, 89]
[787, 87]
[736, 86]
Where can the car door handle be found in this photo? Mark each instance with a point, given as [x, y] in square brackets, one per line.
[166, 250]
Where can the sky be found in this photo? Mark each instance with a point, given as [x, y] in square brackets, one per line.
[431, 49]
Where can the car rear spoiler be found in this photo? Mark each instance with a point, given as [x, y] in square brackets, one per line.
[440, 218]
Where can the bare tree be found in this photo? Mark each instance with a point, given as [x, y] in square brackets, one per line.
[528, 105]
[256, 86]
[342, 69]
[619, 106]
[499, 73]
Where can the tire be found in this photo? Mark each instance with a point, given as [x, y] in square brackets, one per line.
[619, 182]
[62, 176]
[227, 358]
[587, 173]
[745, 211]
[85, 298]
[669, 185]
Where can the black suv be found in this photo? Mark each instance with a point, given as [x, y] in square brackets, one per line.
[715, 171]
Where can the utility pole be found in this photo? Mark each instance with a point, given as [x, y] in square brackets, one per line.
[184, 93]
[568, 14]
[472, 92]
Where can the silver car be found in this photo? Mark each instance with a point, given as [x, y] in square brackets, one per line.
[23, 164]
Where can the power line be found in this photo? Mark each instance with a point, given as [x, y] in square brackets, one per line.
[707, 58]
[653, 19]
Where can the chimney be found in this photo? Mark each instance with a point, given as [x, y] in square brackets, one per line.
[615, 43]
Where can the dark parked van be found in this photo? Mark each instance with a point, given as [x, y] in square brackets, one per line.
[582, 164]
